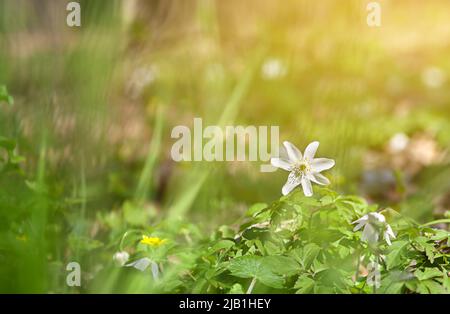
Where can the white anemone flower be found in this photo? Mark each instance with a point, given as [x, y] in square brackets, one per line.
[143, 263]
[303, 168]
[374, 275]
[374, 224]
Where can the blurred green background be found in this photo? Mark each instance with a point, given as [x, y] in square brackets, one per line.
[95, 106]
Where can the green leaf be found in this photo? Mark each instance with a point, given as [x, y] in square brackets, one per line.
[326, 200]
[428, 273]
[310, 252]
[255, 209]
[16, 159]
[236, 289]
[394, 258]
[446, 282]
[304, 284]
[393, 288]
[429, 252]
[222, 244]
[430, 286]
[4, 95]
[440, 235]
[260, 246]
[272, 280]
[272, 248]
[282, 265]
[6, 143]
[394, 282]
[226, 231]
[254, 267]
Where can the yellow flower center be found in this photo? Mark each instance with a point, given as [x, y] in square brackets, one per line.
[152, 241]
[301, 168]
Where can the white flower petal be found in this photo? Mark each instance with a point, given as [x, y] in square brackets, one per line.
[318, 178]
[292, 182]
[140, 264]
[359, 226]
[370, 234]
[310, 150]
[321, 164]
[155, 270]
[386, 237]
[292, 151]
[377, 219]
[390, 232]
[281, 163]
[306, 185]
[364, 219]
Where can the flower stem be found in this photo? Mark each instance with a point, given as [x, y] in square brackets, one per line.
[252, 285]
[435, 222]
[126, 234]
[357, 266]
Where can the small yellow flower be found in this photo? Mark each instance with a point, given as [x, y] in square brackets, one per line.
[152, 241]
[22, 238]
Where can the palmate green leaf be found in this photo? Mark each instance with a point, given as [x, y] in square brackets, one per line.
[411, 285]
[326, 200]
[222, 245]
[422, 241]
[394, 258]
[321, 251]
[429, 251]
[427, 246]
[306, 255]
[272, 248]
[428, 273]
[310, 252]
[430, 286]
[318, 266]
[254, 267]
[333, 278]
[272, 280]
[246, 266]
[303, 201]
[304, 284]
[446, 283]
[391, 287]
[282, 265]
[440, 235]
[260, 246]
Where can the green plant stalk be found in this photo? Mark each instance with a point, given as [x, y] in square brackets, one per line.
[252, 285]
[357, 266]
[435, 222]
[126, 234]
[145, 179]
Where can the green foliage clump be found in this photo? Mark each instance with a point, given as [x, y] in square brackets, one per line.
[304, 244]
